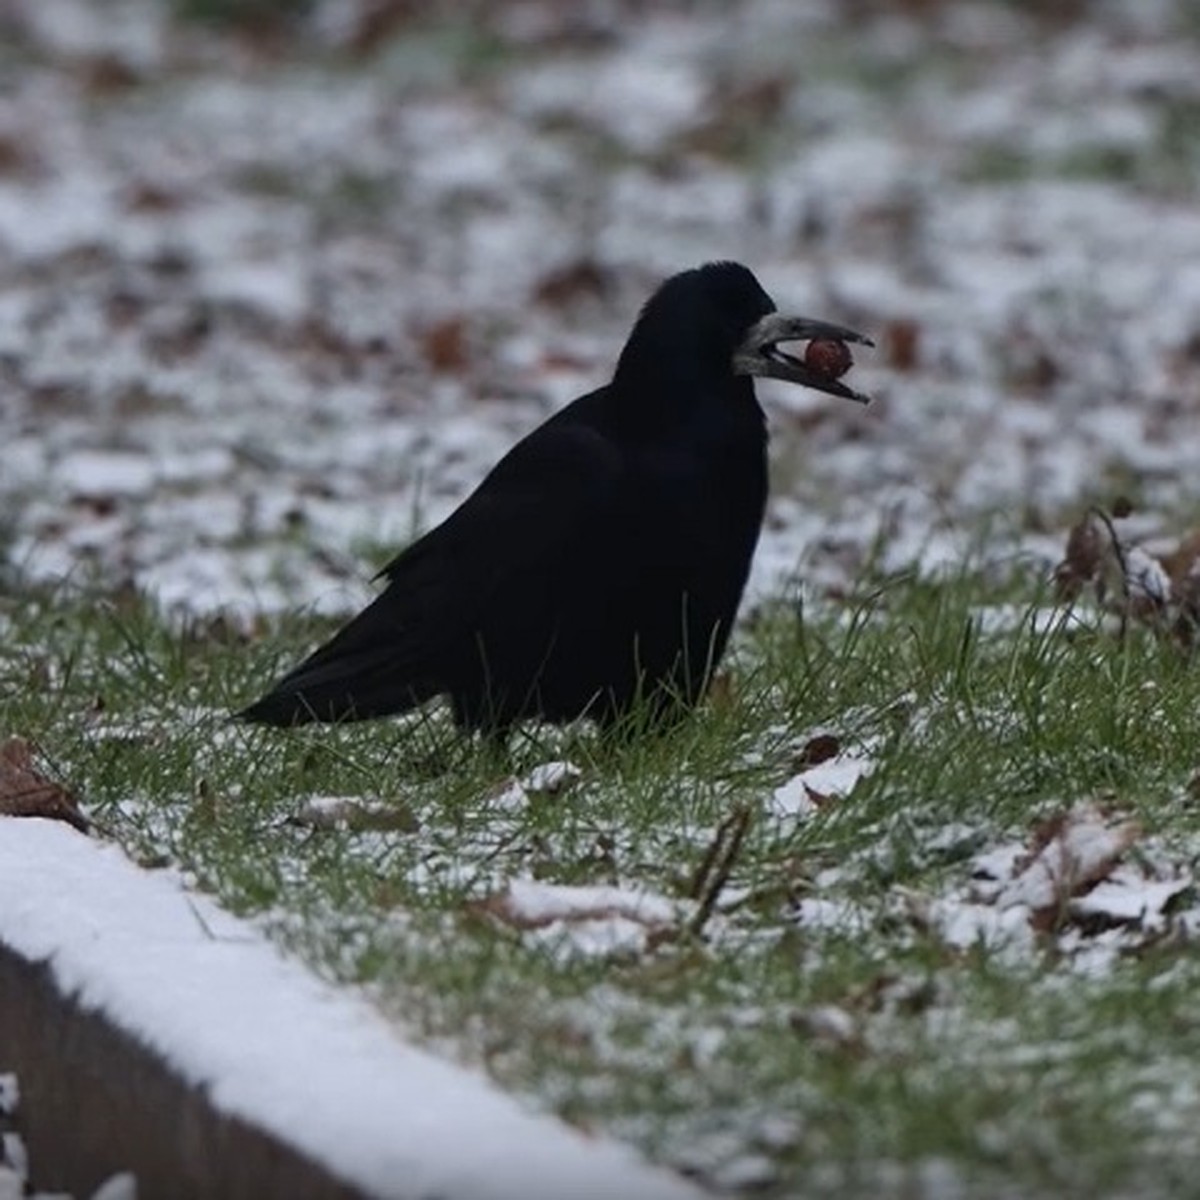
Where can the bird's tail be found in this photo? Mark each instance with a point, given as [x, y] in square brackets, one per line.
[351, 687]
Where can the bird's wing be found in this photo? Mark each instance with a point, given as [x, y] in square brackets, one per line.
[537, 499]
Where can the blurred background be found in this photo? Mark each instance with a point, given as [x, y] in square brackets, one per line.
[279, 280]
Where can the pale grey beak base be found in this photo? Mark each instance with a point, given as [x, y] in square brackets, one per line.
[759, 354]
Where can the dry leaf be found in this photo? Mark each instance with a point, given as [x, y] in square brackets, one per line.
[816, 750]
[582, 277]
[26, 792]
[1184, 561]
[1183, 568]
[1161, 591]
[902, 343]
[1127, 900]
[445, 344]
[1073, 881]
[1087, 547]
[1070, 854]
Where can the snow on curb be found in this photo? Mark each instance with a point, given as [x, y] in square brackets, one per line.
[313, 1065]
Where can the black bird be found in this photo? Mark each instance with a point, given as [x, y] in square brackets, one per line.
[600, 564]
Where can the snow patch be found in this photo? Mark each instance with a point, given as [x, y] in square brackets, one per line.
[587, 920]
[834, 779]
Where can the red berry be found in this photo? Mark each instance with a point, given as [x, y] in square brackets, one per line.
[828, 358]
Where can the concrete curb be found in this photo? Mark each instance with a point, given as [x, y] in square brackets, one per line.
[154, 1033]
[95, 1101]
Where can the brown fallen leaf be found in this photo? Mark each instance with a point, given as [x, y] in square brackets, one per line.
[150, 196]
[106, 75]
[1127, 579]
[18, 156]
[1184, 560]
[1130, 901]
[1069, 855]
[445, 344]
[582, 277]
[818, 749]
[1088, 545]
[26, 792]
[902, 342]
[1183, 568]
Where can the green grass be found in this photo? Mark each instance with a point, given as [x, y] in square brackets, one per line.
[243, 14]
[996, 1072]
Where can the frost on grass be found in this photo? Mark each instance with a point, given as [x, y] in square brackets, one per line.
[230, 369]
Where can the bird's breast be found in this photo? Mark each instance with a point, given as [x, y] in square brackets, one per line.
[700, 513]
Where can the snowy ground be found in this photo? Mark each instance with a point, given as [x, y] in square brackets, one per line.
[222, 1007]
[266, 307]
[262, 311]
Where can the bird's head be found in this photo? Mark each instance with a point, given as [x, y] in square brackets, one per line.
[717, 322]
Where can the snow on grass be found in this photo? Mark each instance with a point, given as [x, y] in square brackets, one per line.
[1077, 883]
[585, 920]
[817, 785]
[261, 324]
[546, 779]
[686, 962]
[255, 264]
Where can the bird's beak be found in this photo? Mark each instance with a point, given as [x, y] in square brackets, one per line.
[760, 355]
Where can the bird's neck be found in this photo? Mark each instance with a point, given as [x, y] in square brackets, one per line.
[685, 406]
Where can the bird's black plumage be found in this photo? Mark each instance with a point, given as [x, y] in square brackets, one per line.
[601, 562]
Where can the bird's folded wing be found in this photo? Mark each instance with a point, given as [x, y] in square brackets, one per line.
[545, 493]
